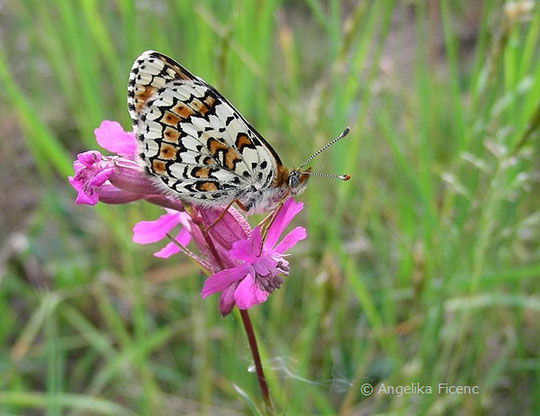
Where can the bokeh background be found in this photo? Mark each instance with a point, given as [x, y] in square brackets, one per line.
[422, 269]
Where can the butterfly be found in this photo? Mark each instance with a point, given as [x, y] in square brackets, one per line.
[199, 147]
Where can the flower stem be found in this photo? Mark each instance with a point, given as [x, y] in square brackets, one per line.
[256, 359]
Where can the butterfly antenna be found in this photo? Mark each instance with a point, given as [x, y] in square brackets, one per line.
[329, 175]
[322, 149]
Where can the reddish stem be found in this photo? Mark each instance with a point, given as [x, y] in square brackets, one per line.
[249, 331]
[256, 359]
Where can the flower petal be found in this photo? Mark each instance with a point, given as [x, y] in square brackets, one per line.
[91, 172]
[110, 194]
[243, 250]
[145, 232]
[226, 300]
[265, 265]
[200, 242]
[75, 183]
[287, 212]
[167, 251]
[165, 202]
[256, 240]
[171, 248]
[230, 228]
[88, 158]
[248, 294]
[87, 196]
[129, 176]
[293, 237]
[183, 237]
[221, 280]
[100, 177]
[247, 250]
[111, 136]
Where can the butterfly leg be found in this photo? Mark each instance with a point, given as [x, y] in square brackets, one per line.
[268, 218]
[267, 222]
[223, 213]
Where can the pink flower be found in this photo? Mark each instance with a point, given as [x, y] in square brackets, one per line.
[222, 235]
[230, 228]
[146, 232]
[259, 263]
[244, 266]
[115, 179]
[91, 171]
[111, 136]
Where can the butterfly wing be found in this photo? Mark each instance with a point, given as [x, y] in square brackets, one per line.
[192, 138]
[151, 71]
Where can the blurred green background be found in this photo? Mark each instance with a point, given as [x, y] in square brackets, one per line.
[422, 269]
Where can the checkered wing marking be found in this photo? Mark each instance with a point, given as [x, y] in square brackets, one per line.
[151, 71]
[192, 138]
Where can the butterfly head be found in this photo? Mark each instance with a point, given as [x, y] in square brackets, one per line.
[297, 180]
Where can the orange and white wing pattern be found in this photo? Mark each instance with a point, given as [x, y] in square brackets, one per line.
[150, 72]
[198, 145]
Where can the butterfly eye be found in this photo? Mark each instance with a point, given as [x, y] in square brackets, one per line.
[293, 180]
